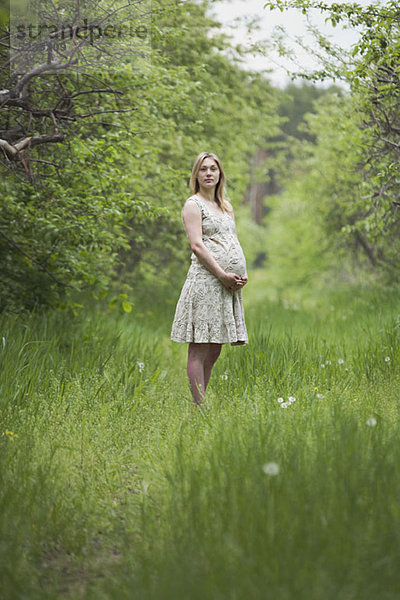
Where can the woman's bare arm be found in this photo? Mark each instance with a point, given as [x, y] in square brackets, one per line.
[191, 215]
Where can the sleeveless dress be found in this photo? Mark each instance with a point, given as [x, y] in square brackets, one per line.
[207, 312]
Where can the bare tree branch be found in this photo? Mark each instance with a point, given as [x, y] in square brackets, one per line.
[49, 83]
[20, 89]
[14, 150]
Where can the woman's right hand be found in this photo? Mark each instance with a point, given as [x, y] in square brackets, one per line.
[231, 281]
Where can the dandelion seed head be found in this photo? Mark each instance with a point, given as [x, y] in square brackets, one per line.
[371, 422]
[271, 468]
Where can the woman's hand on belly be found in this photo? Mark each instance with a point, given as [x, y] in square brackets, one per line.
[231, 281]
[241, 282]
[244, 279]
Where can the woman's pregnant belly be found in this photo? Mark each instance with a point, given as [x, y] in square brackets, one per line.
[228, 254]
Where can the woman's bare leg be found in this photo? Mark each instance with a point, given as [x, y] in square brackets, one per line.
[197, 356]
[213, 354]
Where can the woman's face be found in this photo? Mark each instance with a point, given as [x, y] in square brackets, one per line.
[209, 173]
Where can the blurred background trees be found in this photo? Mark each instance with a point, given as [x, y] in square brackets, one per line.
[351, 179]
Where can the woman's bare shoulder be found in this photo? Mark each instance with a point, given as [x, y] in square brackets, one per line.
[191, 207]
[191, 201]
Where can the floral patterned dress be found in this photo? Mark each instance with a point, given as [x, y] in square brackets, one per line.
[207, 312]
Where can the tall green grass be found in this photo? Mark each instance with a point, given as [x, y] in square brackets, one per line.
[111, 487]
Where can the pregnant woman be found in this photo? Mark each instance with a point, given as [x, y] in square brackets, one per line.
[210, 312]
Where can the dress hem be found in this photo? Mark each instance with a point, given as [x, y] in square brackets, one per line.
[232, 343]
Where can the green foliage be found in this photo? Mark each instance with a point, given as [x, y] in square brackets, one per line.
[320, 226]
[298, 252]
[295, 102]
[365, 204]
[110, 206]
[59, 238]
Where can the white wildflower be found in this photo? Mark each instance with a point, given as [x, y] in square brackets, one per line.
[322, 366]
[291, 399]
[320, 396]
[387, 359]
[328, 362]
[340, 361]
[141, 366]
[225, 375]
[285, 404]
[371, 422]
[280, 400]
[271, 468]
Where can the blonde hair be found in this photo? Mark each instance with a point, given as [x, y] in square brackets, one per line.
[220, 187]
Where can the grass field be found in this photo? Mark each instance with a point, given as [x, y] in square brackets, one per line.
[288, 487]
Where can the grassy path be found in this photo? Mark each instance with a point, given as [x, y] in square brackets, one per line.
[110, 488]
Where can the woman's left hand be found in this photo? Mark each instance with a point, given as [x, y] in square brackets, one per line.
[241, 282]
